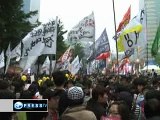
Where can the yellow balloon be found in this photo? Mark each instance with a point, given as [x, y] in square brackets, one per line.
[67, 75]
[44, 78]
[40, 82]
[23, 77]
[47, 78]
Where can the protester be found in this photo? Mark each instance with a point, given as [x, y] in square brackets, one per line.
[53, 100]
[76, 111]
[139, 98]
[152, 105]
[59, 81]
[97, 104]
[119, 110]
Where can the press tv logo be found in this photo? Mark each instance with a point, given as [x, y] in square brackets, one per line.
[30, 105]
[18, 105]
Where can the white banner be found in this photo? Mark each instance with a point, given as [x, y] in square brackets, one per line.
[75, 66]
[41, 40]
[53, 65]
[8, 54]
[32, 78]
[27, 62]
[130, 42]
[81, 64]
[46, 66]
[130, 34]
[66, 65]
[16, 52]
[2, 59]
[84, 31]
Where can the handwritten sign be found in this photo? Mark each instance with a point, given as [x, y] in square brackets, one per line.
[84, 31]
[41, 40]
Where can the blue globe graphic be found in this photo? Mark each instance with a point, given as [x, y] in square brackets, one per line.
[18, 105]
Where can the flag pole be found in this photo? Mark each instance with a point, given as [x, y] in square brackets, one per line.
[146, 32]
[50, 70]
[115, 35]
[38, 66]
[94, 48]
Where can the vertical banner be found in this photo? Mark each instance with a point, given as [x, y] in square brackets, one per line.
[75, 66]
[130, 35]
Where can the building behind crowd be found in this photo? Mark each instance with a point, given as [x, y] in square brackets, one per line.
[32, 5]
[150, 25]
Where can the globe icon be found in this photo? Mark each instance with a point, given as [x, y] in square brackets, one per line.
[18, 105]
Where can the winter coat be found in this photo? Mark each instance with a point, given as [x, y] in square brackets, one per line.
[78, 113]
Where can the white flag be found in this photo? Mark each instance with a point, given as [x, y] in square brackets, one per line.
[8, 54]
[50, 39]
[84, 31]
[41, 40]
[75, 66]
[16, 52]
[53, 65]
[27, 62]
[46, 65]
[130, 35]
[80, 64]
[66, 65]
[2, 59]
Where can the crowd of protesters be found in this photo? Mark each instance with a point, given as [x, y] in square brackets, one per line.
[90, 97]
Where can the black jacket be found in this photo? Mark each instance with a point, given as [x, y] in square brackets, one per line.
[98, 109]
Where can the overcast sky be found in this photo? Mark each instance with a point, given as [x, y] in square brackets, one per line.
[72, 11]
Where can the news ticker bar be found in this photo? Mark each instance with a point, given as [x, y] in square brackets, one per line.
[23, 105]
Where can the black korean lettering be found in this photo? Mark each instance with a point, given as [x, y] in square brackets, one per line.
[86, 23]
[53, 23]
[39, 32]
[91, 23]
[137, 36]
[141, 16]
[81, 31]
[48, 41]
[51, 29]
[45, 31]
[38, 40]
[32, 34]
[129, 52]
[129, 41]
[26, 52]
[33, 43]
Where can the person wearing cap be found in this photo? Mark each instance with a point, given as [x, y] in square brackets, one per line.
[53, 99]
[76, 111]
